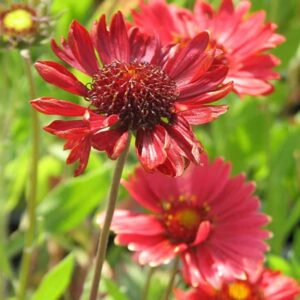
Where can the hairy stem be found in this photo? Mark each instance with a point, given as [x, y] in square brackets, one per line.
[147, 284]
[172, 279]
[103, 238]
[32, 193]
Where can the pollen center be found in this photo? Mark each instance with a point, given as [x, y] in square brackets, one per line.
[182, 218]
[141, 94]
[239, 291]
[18, 20]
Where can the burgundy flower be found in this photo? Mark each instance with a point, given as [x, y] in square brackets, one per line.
[156, 93]
[243, 39]
[211, 220]
[263, 285]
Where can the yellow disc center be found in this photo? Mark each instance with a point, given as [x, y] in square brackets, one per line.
[18, 20]
[238, 291]
[188, 218]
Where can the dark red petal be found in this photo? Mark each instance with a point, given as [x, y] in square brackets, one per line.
[52, 106]
[66, 129]
[151, 145]
[198, 101]
[204, 114]
[187, 55]
[111, 141]
[66, 54]
[119, 38]
[81, 153]
[137, 44]
[208, 82]
[182, 134]
[82, 48]
[175, 163]
[102, 42]
[58, 75]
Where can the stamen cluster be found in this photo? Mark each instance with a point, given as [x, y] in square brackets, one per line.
[141, 94]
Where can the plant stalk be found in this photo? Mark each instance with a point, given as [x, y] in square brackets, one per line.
[172, 279]
[32, 193]
[103, 238]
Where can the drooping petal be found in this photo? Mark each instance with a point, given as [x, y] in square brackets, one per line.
[204, 114]
[151, 145]
[58, 75]
[182, 134]
[111, 141]
[52, 106]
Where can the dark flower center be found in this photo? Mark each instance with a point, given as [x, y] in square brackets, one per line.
[182, 218]
[141, 94]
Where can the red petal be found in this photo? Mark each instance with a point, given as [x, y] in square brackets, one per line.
[186, 56]
[66, 129]
[119, 38]
[58, 75]
[52, 106]
[66, 54]
[151, 145]
[206, 83]
[82, 48]
[81, 153]
[204, 114]
[111, 141]
[183, 136]
[203, 232]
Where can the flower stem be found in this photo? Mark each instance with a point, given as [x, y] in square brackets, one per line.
[103, 238]
[32, 193]
[147, 284]
[172, 279]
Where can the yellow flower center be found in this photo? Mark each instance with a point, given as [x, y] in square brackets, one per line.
[188, 218]
[238, 291]
[18, 20]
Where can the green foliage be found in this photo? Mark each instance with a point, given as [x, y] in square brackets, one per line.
[56, 280]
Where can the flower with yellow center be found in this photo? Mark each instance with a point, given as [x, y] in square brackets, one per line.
[18, 20]
[238, 291]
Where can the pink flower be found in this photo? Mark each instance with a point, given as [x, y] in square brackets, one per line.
[211, 220]
[154, 92]
[244, 39]
[263, 285]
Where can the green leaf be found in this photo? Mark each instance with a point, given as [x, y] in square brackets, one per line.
[278, 263]
[114, 291]
[56, 280]
[72, 201]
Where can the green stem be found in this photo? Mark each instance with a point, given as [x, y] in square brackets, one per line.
[172, 279]
[32, 194]
[103, 239]
[148, 283]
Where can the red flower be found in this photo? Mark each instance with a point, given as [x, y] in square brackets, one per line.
[244, 39]
[211, 220]
[156, 93]
[263, 285]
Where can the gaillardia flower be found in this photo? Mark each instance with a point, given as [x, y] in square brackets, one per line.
[263, 285]
[155, 93]
[210, 220]
[22, 25]
[243, 39]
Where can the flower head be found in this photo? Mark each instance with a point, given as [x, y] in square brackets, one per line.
[263, 285]
[243, 39]
[211, 220]
[156, 93]
[22, 25]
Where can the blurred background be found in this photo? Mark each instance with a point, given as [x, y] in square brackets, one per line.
[261, 136]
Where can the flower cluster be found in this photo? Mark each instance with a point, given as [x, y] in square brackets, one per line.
[154, 79]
